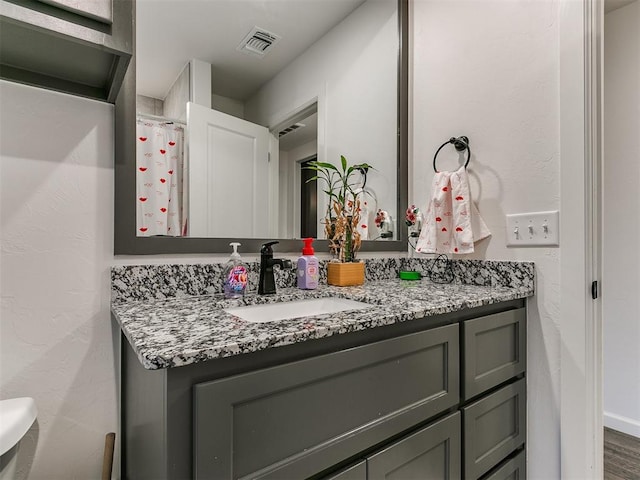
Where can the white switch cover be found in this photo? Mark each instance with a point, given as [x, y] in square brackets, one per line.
[535, 229]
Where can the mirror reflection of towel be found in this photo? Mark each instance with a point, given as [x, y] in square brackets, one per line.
[365, 212]
[452, 223]
[363, 226]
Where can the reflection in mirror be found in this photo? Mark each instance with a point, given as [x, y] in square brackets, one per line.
[233, 103]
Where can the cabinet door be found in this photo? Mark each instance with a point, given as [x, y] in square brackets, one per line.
[493, 428]
[512, 469]
[494, 350]
[355, 472]
[431, 453]
[298, 419]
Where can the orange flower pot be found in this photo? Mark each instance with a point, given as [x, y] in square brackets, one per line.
[345, 274]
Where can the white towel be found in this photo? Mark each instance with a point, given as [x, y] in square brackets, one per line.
[452, 223]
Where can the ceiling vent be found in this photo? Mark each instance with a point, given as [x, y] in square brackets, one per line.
[289, 129]
[258, 42]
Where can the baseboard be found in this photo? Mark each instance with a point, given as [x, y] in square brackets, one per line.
[622, 424]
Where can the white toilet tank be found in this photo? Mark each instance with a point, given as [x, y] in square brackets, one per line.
[16, 417]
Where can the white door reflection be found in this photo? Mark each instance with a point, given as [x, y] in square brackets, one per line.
[232, 175]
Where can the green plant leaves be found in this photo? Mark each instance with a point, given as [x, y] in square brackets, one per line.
[314, 165]
[342, 207]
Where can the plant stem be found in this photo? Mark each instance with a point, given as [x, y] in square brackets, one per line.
[348, 253]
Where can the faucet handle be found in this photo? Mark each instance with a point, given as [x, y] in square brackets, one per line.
[266, 247]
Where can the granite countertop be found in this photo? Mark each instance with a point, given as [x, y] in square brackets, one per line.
[183, 330]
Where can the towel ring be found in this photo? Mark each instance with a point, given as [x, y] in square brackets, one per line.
[461, 143]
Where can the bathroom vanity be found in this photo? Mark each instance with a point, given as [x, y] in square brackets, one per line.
[429, 382]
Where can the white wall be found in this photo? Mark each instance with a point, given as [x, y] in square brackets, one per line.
[175, 102]
[200, 82]
[355, 61]
[57, 227]
[621, 258]
[149, 105]
[489, 70]
[227, 105]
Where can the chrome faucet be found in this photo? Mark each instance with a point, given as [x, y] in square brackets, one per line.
[267, 283]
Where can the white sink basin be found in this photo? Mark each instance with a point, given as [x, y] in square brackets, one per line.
[298, 308]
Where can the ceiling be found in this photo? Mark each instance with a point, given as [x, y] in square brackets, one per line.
[610, 5]
[169, 33]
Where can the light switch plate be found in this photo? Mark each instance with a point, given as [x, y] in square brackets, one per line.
[535, 229]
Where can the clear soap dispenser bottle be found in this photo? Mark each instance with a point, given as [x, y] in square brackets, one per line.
[235, 275]
[308, 270]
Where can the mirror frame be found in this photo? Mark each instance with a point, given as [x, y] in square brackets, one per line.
[126, 242]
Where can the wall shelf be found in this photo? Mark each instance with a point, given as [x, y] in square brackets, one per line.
[49, 47]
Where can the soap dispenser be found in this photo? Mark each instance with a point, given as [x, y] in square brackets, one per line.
[235, 275]
[308, 270]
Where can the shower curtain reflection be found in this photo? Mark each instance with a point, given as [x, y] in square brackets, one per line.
[161, 190]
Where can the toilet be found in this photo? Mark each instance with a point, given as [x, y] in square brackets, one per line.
[16, 417]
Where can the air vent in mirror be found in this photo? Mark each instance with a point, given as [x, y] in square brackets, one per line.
[290, 129]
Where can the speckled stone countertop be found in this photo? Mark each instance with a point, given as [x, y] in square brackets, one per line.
[182, 330]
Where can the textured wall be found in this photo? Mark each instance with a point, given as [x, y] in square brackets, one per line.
[175, 102]
[489, 70]
[56, 219]
[621, 259]
[148, 105]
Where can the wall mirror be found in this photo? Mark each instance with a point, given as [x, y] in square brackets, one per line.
[333, 82]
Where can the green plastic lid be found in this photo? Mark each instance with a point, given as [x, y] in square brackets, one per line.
[410, 275]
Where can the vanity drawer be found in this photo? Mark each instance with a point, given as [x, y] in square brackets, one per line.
[494, 350]
[355, 472]
[512, 469]
[430, 453]
[297, 419]
[493, 428]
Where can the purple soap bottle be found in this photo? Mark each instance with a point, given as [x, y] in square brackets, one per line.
[308, 271]
[235, 275]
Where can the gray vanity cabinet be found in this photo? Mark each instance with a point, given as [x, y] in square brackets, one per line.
[511, 469]
[298, 419]
[494, 350]
[494, 392]
[494, 426]
[430, 453]
[354, 472]
[381, 403]
[71, 46]
[433, 452]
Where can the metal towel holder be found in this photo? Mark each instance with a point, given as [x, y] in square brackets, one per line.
[461, 143]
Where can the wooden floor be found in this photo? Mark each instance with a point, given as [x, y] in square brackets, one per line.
[621, 456]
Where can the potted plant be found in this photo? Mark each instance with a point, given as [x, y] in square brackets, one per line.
[342, 218]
